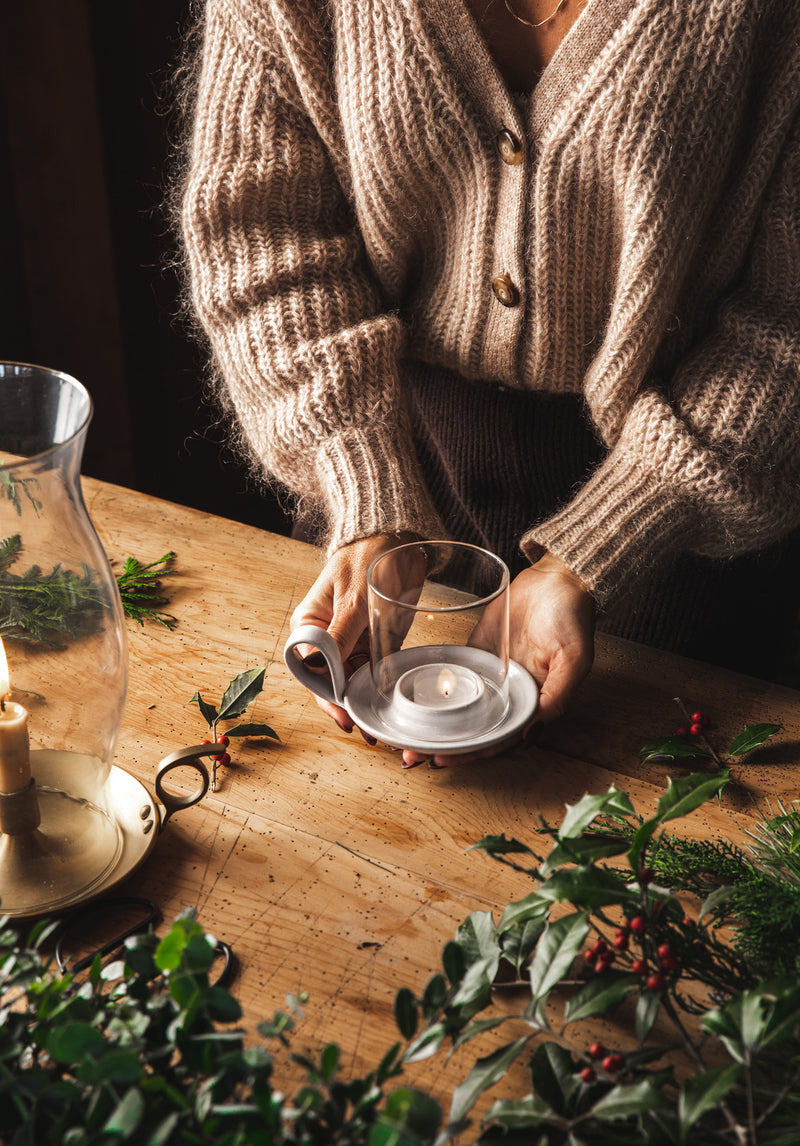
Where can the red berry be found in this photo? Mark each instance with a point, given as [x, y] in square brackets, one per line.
[645, 875]
[665, 951]
[224, 759]
[224, 740]
[687, 922]
[696, 729]
[670, 963]
[682, 731]
[588, 1075]
[613, 1062]
[639, 924]
[639, 967]
[656, 983]
[602, 965]
[597, 1050]
[591, 955]
[699, 718]
[206, 741]
[621, 941]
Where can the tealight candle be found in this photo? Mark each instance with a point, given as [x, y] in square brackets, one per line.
[442, 686]
[15, 763]
[442, 700]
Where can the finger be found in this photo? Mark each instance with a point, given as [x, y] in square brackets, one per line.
[336, 713]
[479, 754]
[564, 675]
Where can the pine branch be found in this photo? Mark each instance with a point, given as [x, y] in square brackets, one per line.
[141, 593]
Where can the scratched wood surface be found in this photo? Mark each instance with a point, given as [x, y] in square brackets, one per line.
[328, 868]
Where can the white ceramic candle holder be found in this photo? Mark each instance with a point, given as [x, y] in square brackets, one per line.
[439, 677]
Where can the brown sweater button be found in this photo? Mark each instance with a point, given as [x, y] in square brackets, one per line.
[505, 291]
[509, 147]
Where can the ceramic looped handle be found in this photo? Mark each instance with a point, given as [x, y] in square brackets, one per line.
[329, 688]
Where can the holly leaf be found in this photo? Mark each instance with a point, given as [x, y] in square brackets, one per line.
[210, 714]
[703, 1092]
[588, 808]
[252, 730]
[555, 951]
[672, 747]
[601, 994]
[241, 692]
[485, 1073]
[683, 796]
[753, 736]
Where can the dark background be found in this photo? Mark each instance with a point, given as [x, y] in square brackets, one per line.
[88, 285]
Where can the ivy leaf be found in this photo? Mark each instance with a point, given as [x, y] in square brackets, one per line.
[555, 951]
[672, 747]
[241, 692]
[485, 1073]
[702, 1093]
[601, 994]
[588, 808]
[252, 730]
[209, 712]
[752, 737]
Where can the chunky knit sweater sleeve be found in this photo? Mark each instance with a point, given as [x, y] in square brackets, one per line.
[307, 350]
[707, 457]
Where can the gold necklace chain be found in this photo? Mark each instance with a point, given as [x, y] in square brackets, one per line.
[528, 23]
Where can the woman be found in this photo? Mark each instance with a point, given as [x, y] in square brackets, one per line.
[523, 273]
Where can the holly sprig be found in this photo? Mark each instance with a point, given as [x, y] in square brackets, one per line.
[236, 699]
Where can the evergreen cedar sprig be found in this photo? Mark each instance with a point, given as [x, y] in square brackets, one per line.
[236, 699]
[144, 1051]
[61, 605]
[141, 593]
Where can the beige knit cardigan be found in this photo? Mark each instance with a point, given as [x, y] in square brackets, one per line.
[346, 210]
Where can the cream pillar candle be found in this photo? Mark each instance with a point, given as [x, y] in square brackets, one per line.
[15, 764]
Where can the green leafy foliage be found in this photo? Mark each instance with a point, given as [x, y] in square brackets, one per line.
[150, 1056]
[60, 605]
[146, 1049]
[141, 591]
[236, 699]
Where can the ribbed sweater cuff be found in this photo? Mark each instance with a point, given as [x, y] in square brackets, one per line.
[616, 527]
[374, 486]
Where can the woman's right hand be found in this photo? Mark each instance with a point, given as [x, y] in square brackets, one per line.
[337, 601]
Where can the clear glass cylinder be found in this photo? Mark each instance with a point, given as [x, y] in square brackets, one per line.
[439, 639]
[64, 638]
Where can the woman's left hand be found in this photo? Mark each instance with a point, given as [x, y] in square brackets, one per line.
[551, 626]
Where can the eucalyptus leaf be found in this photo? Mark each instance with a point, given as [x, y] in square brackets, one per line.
[241, 692]
[752, 737]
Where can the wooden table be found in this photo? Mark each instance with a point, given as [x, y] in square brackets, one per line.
[327, 867]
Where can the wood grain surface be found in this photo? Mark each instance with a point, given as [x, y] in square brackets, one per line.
[327, 867]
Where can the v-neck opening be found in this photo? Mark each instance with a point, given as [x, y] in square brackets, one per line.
[473, 60]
